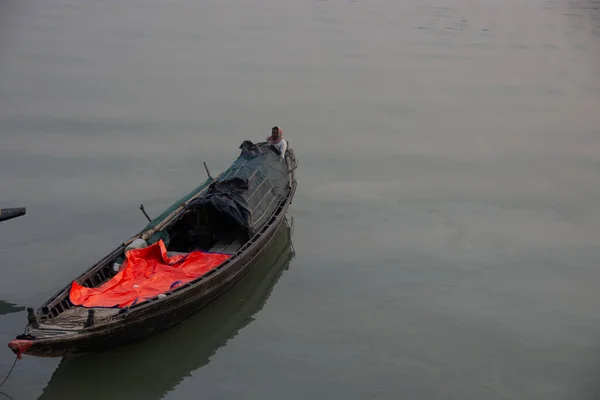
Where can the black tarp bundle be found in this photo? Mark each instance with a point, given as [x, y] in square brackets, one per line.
[251, 189]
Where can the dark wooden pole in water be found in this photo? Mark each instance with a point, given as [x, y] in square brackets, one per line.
[10, 213]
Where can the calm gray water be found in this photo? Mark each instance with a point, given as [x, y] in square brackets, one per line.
[447, 219]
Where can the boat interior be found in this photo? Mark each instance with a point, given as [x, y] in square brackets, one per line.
[205, 228]
[200, 228]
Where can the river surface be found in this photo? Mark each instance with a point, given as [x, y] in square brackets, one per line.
[446, 227]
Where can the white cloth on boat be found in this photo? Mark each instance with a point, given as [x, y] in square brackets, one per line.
[281, 146]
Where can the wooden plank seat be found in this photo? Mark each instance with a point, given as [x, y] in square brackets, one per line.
[227, 246]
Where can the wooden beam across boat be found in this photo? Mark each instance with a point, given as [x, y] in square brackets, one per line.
[10, 213]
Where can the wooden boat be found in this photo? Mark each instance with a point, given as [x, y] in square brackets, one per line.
[10, 213]
[181, 350]
[233, 216]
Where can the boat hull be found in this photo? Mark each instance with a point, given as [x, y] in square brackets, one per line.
[130, 325]
[150, 322]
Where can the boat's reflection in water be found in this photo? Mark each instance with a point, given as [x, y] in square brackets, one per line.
[149, 369]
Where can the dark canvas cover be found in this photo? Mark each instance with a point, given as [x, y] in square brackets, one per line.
[250, 190]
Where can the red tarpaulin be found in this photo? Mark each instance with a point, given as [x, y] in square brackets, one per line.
[146, 273]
